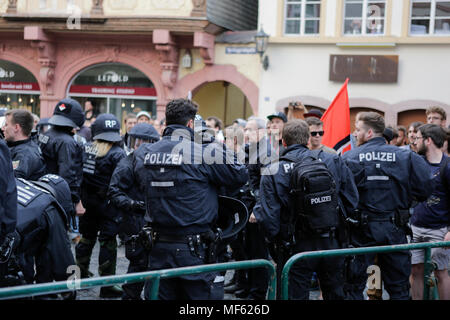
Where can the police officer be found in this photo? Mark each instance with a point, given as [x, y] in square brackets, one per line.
[125, 195]
[274, 211]
[42, 226]
[26, 156]
[388, 179]
[100, 158]
[62, 154]
[8, 207]
[181, 179]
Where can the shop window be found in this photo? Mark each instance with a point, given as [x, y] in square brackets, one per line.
[302, 17]
[430, 17]
[364, 17]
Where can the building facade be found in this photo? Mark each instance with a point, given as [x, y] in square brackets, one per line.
[123, 55]
[395, 53]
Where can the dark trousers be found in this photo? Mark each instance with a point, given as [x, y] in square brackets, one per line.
[395, 267]
[330, 271]
[256, 248]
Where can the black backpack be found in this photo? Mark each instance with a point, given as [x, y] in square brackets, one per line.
[314, 199]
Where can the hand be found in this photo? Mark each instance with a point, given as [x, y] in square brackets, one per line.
[252, 218]
[447, 238]
[79, 209]
[137, 205]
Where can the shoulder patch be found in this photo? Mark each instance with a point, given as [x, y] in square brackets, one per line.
[25, 195]
[15, 164]
[43, 138]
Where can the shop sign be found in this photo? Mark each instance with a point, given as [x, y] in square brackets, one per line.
[115, 91]
[240, 50]
[6, 74]
[5, 85]
[111, 76]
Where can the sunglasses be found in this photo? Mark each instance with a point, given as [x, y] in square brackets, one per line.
[316, 133]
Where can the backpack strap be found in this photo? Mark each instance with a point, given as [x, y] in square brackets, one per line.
[442, 170]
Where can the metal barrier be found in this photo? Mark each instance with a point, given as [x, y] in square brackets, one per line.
[154, 277]
[428, 265]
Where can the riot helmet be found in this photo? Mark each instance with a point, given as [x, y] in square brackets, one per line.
[68, 113]
[142, 133]
[59, 189]
[233, 216]
[42, 125]
[106, 127]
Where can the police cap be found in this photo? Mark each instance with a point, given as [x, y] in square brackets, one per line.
[68, 113]
[60, 190]
[144, 131]
[106, 127]
[233, 216]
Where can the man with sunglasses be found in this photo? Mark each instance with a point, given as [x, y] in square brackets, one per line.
[316, 131]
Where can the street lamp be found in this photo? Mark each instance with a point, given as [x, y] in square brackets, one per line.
[261, 40]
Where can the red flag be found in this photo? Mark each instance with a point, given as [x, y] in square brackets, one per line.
[336, 122]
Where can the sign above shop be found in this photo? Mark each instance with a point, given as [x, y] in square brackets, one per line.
[14, 77]
[364, 68]
[240, 50]
[4, 85]
[6, 74]
[114, 91]
[111, 76]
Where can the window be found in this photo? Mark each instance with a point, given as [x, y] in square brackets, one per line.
[302, 17]
[430, 17]
[364, 17]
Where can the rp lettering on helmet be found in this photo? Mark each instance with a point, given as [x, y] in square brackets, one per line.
[110, 123]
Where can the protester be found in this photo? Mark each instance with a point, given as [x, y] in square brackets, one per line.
[402, 136]
[129, 121]
[276, 124]
[412, 130]
[216, 124]
[431, 218]
[316, 135]
[144, 116]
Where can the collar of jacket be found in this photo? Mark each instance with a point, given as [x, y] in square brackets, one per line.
[376, 141]
[16, 143]
[181, 130]
[295, 147]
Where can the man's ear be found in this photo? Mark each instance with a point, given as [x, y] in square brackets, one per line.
[190, 124]
[284, 143]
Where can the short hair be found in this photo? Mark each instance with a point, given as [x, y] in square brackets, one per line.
[217, 122]
[180, 111]
[402, 128]
[129, 116]
[313, 121]
[261, 123]
[394, 131]
[438, 110]
[435, 132]
[296, 131]
[415, 125]
[373, 120]
[237, 132]
[23, 118]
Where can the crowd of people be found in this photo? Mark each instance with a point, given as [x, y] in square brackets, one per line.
[165, 190]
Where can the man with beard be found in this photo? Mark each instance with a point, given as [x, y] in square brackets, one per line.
[388, 180]
[431, 218]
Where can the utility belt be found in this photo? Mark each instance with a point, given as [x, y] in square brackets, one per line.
[208, 240]
[316, 234]
[361, 218]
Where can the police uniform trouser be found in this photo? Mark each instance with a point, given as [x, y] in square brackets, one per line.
[98, 217]
[167, 255]
[258, 278]
[330, 271]
[395, 267]
[135, 253]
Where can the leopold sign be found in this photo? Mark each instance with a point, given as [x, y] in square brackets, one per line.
[6, 74]
[111, 76]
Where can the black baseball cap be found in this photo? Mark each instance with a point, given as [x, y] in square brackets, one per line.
[106, 127]
[68, 113]
[280, 115]
[314, 113]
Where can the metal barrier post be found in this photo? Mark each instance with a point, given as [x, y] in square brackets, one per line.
[427, 269]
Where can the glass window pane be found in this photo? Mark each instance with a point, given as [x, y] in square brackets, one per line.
[421, 9]
[353, 10]
[293, 26]
[294, 11]
[313, 10]
[442, 26]
[443, 9]
[375, 26]
[352, 26]
[420, 26]
[376, 10]
[312, 26]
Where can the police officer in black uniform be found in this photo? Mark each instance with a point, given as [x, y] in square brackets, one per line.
[273, 211]
[26, 156]
[125, 195]
[62, 154]
[388, 179]
[8, 208]
[100, 159]
[181, 180]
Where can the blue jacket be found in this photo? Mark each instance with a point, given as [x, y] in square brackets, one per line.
[273, 204]
[181, 179]
[27, 159]
[8, 194]
[388, 177]
[63, 156]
